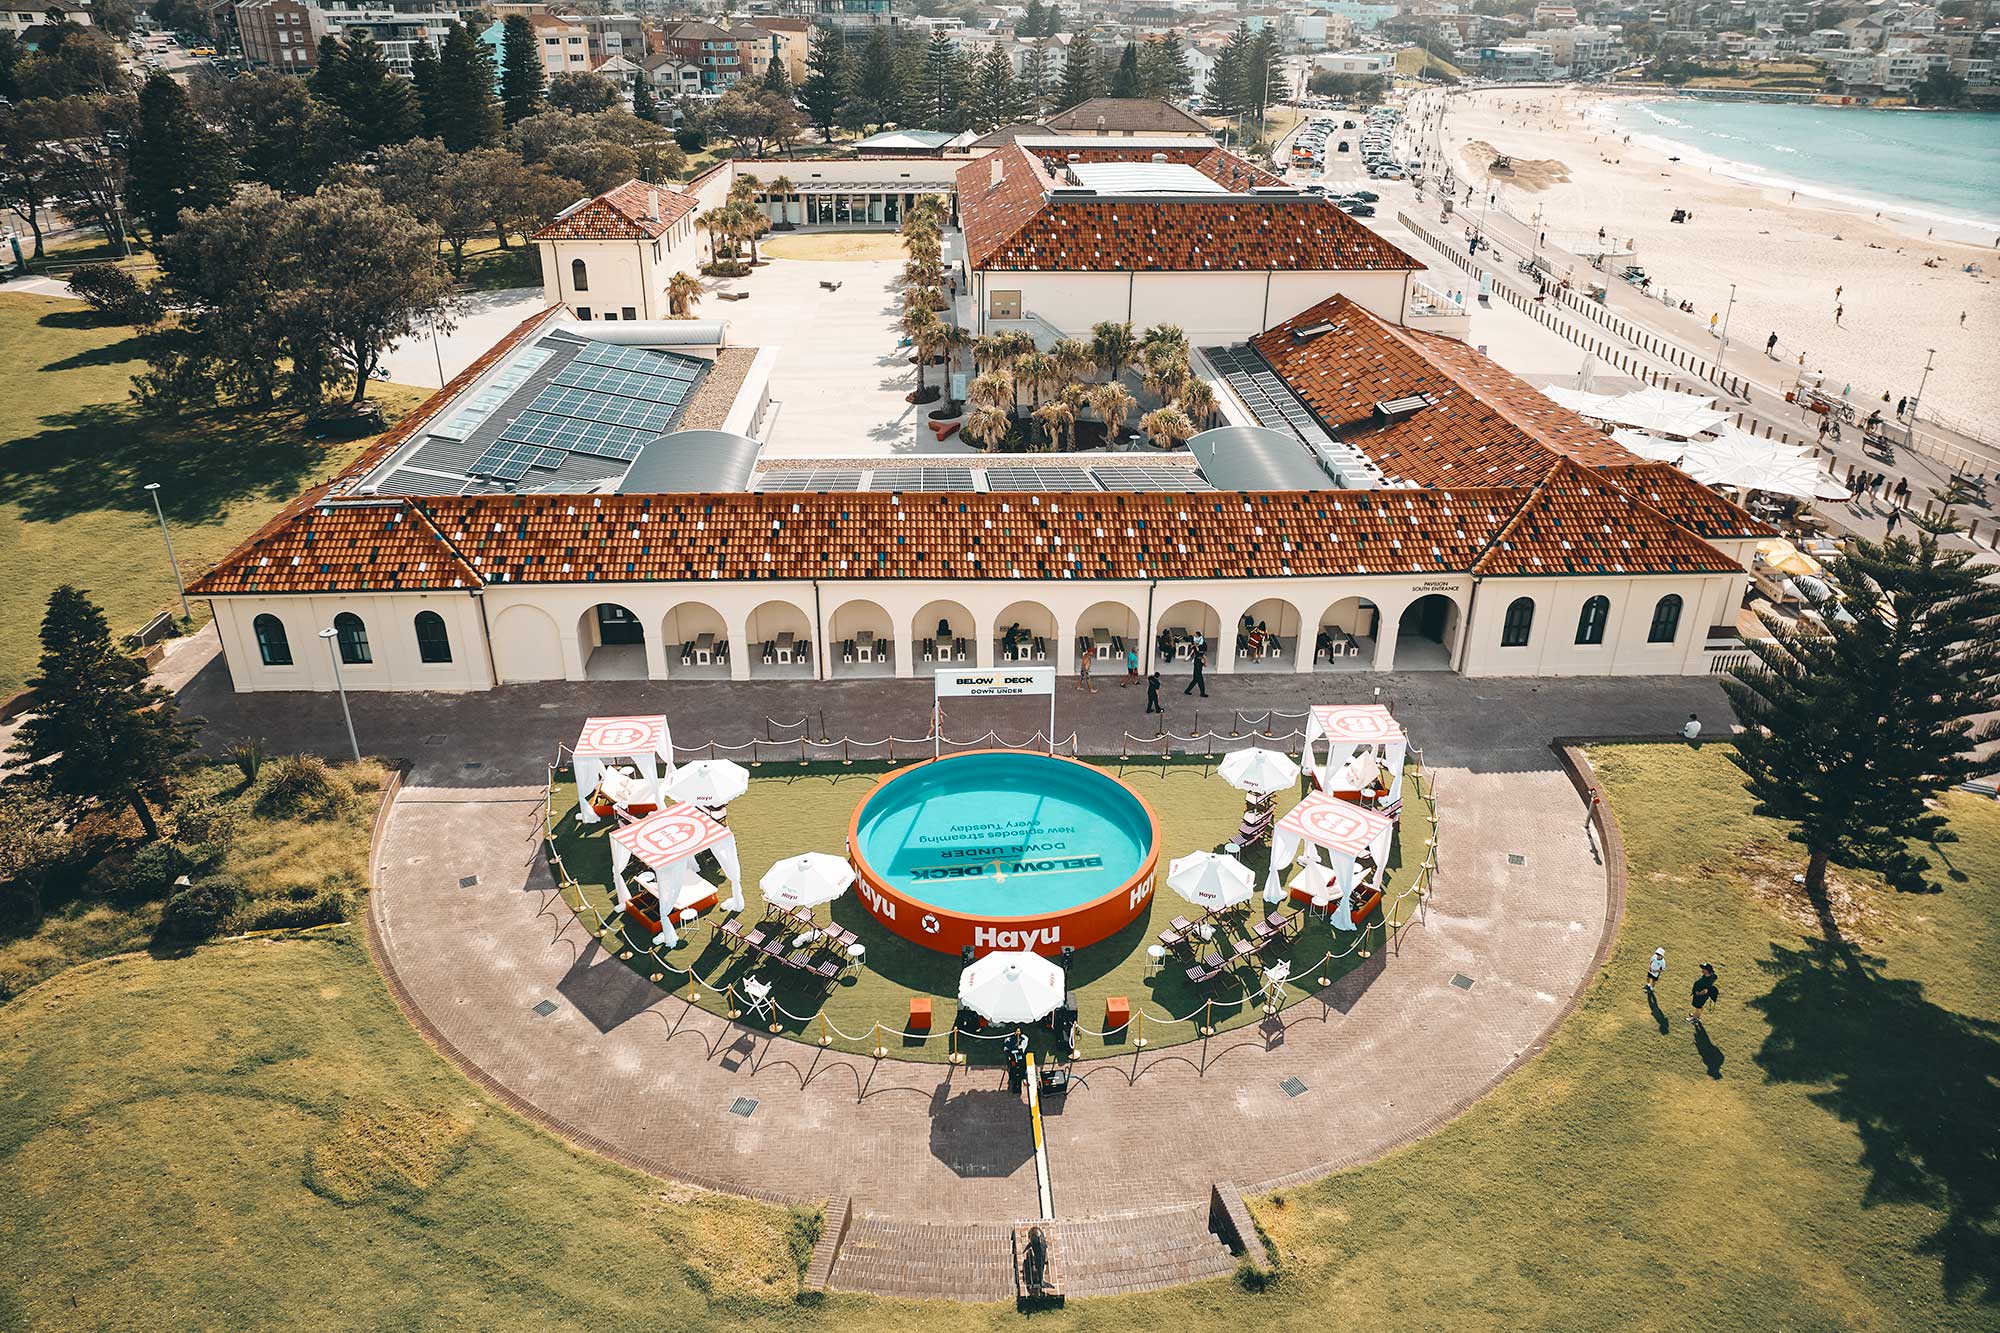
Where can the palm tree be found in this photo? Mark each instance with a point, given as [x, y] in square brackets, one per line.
[1164, 335]
[1034, 369]
[750, 224]
[928, 338]
[995, 388]
[683, 294]
[1058, 420]
[782, 189]
[988, 425]
[1111, 348]
[1113, 402]
[1167, 427]
[1166, 371]
[922, 271]
[1198, 401]
[714, 222]
[1068, 358]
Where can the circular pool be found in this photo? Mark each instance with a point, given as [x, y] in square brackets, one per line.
[1001, 850]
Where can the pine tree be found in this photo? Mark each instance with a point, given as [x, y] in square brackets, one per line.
[521, 79]
[875, 81]
[1033, 21]
[177, 162]
[937, 93]
[645, 105]
[1226, 80]
[1035, 82]
[380, 108]
[100, 733]
[778, 79]
[1081, 77]
[1125, 81]
[424, 85]
[467, 111]
[1854, 725]
[827, 79]
[329, 79]
[1260, 73]
[1164, 70]
[993, 90]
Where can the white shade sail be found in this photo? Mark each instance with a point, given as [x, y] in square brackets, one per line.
[1009, 987]
[1661, 411]
[709, 782]
[1258, 770]
[806, 880]
[1210, 880]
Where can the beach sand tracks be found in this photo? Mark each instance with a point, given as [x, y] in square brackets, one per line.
[1527, 173]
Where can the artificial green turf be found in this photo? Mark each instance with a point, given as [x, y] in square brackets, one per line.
[75, 452]
[791, 812]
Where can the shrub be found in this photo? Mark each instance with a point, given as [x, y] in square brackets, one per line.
[199, 911]
[203, 828]
[303, 786]
[153, 868]
[248, 756]
[112, 291]
[33, 842]
[322, 908]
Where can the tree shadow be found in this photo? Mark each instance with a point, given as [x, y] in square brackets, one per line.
[122, 352]
[1916, 1080]
[85, 318]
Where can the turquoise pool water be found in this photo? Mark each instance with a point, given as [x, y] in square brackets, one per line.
[1004, 834]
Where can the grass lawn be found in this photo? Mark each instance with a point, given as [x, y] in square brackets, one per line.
[285, 863]
[250, 1135]
[786, 814]
[74, 453]
[833, 245]
[488, 268]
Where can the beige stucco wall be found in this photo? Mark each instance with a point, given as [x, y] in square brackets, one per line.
[622, 274]
[1220, 307]
[1552, 649]
[392, 640]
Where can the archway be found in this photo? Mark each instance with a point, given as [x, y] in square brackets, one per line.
[697, 640]
[526, 646]
[944, 632]
[613, 643]
[1266, 637]
[1025, 632]
[779, 640]
[1174, 640]
[1346, 635]
[1107, 631]
[1426, 633]
[861, 641]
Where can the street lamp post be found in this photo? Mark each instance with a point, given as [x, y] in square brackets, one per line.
[1725, 318]
[333, 651]
[153, 489]
[1930, 353]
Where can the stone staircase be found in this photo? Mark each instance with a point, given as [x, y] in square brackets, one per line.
[974, 1261]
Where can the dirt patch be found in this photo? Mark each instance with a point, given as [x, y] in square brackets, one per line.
[1769, 870]
[1526, 172]
[387, 1149]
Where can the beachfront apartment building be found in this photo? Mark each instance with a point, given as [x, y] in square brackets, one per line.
[563, 42]
[281, 35]
[1516, 62]
[715, 50]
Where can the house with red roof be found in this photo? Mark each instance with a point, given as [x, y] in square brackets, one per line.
[613, 256]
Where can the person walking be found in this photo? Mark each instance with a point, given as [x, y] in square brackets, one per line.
[1153, 694]
[1655, 967]
[1705, 990]
[1836, 294]
[1903, 492]
[1771, 345]
[1895, 517]
[1198, 681]
[1083, 678]
[1838, 311]
[1131, 667]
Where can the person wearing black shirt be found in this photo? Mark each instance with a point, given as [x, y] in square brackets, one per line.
[1153, 693]
[1199, 681]
[1705, 990]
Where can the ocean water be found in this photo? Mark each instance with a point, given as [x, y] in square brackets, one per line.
[1943, 165]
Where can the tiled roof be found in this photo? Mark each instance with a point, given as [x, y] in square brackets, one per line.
[634, 211]
[1128, 115]
[1578, 522]
[343, 546]
[1016, 225]
[1485, 428]
[1688, 502]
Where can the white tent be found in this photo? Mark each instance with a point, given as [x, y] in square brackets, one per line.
[643, 742]
[1650, 447]
[1259, 771]
[1738, 459]
[803, 882]
[1345, 832]
[1009, 987]
[1586, 377]
[1211, 881]
[1652, 409]
[668, 841]
[1350, 731]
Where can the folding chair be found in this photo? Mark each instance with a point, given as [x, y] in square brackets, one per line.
[759, 994]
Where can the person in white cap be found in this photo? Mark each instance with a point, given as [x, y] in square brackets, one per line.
[1657, 966]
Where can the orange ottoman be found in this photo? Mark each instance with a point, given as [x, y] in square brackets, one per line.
[1117, 1013]
[920, 1014]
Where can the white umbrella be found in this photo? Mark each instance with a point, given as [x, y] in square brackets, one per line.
[709, 782]
[1586, 378]
[803, 882]
[1211, 881]
[1258, 770]
[1006, 987]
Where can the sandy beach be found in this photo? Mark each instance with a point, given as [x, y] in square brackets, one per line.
[1794, 261]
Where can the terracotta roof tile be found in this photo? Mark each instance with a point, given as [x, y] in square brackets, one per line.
[1579, 522]
[1485, 428]
[634, 211]
[343, 546]
[1687, 502]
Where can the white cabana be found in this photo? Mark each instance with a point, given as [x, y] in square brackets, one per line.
[1010, 987]
[1350, 731]
[668, 841]
[709, 783]
[1346, 833]
[1258, 771]
[1211, 881]
[801, 883]
[642, 742]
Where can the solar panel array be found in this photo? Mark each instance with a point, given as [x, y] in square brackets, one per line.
[1044, 477]
[608, 402]
[818, 480]
[619, 411]
[645, 360]
[1265, 394]
[1142, 477]
[510, 462]
[921, 479]
[481, 404]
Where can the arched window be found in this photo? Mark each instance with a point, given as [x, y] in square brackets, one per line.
[433, 643]
[1520, 620]
[272, 645]
[1666, 619]
[579, 276]
[353, 638]
[1590, 625]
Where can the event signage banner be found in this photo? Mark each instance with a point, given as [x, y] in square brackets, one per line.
[1000, 682]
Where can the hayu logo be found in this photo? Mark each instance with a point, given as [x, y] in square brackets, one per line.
[877, 903]
[986, 937]
[1140, 892]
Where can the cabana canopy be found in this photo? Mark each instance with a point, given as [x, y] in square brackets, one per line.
[1349, 729]
[1342, 830]
[641, 741]
[668, 841]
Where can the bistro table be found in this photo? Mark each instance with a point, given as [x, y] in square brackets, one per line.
[1100, 641]
[704, 650]
[864, 646]
[786, 641]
